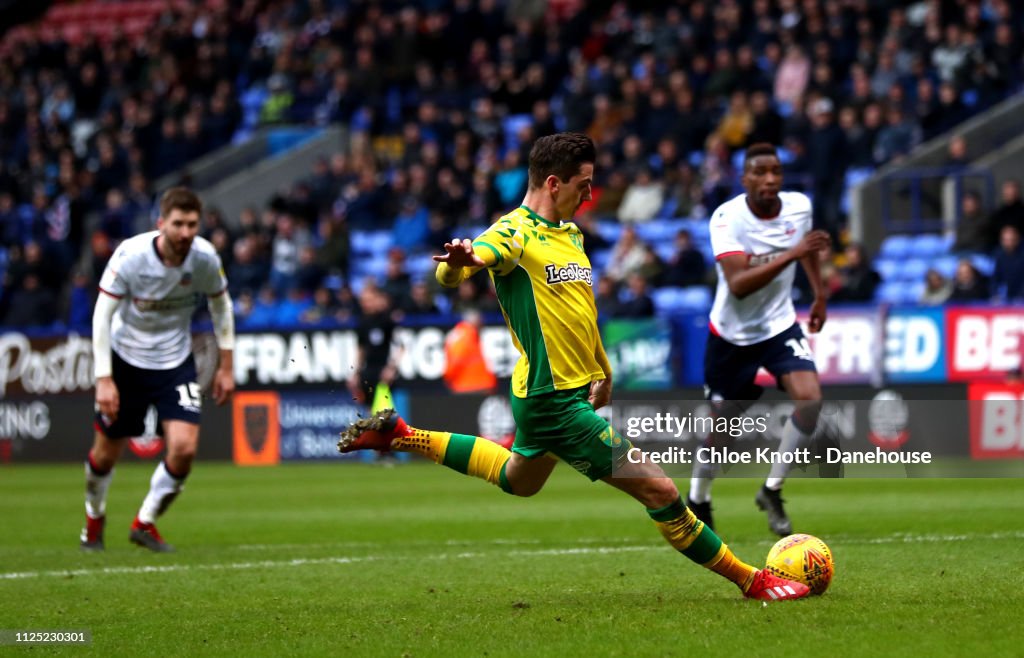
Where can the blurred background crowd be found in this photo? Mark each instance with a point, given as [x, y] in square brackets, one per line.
[441, 100]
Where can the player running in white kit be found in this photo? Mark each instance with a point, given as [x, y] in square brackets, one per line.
[757, 238]
[142, 347]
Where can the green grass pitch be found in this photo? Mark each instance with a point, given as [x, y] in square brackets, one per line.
[354, 560]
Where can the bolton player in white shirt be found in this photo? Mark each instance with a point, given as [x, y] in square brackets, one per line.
[142, 347]
[757, 238]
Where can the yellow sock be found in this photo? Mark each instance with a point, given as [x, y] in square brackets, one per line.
[472, 455]
[692, 538]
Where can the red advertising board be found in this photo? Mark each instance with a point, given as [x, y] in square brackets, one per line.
[984, 344]
[996, 420]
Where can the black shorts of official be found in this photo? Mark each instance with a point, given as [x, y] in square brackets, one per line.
[174, 393]
[730, 370]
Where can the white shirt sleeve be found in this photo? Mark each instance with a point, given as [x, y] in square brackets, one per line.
[723, 239]
[114, 281]
[106, 304]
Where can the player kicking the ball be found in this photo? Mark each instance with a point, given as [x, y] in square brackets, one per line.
[142, 347]
[757, 238]
[543, 281]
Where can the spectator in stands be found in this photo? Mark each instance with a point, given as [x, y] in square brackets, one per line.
[792, 76]
[827, 159]
[333, 252]
[397, 282]
[31, 304]
[309, 275]
[421, 300]
[628, 256]
[968, 284]
[1008, 273]
[687, 266]
[1009, 213]
[767, 124]
[643, 199]
[937, 289]
[859, 278]
[972, 227]
[287, 244]
[607, 297]
[323, 310]
[638, 302]
[897, 138]
[245, 271]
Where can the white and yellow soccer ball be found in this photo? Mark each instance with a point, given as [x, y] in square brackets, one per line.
[803, 558]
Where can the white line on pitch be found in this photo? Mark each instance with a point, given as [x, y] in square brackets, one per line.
[898, 538]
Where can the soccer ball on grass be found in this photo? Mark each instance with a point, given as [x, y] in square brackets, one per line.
[803, 558]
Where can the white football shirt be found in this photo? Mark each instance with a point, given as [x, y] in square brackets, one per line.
[736, 230]
[152, 325]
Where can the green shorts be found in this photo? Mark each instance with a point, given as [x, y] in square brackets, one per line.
[564, 423]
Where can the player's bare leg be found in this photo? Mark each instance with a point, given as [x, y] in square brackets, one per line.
[525, 476]
[99, 471]
[167, 482]
[699, 497]
[648, 484]
[805, 390]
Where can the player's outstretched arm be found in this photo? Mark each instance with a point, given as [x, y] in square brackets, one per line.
[819, 310]
[745, 280]
[108, 400]
[460, 261]
[224, 329]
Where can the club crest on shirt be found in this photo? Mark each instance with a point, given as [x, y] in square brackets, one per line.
[186, 278]
[571, 272]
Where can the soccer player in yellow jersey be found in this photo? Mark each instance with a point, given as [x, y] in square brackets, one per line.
[543, 281]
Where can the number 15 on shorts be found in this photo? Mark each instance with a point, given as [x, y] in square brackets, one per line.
[189, 396]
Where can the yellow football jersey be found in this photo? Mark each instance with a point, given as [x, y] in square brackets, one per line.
[543, 281]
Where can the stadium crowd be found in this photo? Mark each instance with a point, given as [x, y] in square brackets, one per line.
[442, 99]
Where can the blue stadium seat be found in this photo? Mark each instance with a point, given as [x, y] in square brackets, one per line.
[599, 259]
[946, 265]
[700, 229]
[983, 264]
[912, 292]
[913, 269]
[420, 266]
[511, 125]
[927, 246]
[657, 230]
[666, 300]
[890, 292]
[888, 269]
[610, 231]
[674, 300]
[665, 249]
[696, 298]
[895, 246]
[359, 241]
[853, 178]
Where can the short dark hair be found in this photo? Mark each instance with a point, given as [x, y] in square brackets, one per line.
[180, 198]
[758, 149]
[561, 155]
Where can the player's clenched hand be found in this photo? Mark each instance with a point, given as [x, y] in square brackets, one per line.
[600, 393]
[108, 400]
[818, 316]
[812, 243]
[459, 253]
[223, 385]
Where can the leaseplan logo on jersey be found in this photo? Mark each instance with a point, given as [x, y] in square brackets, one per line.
[571, 272]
